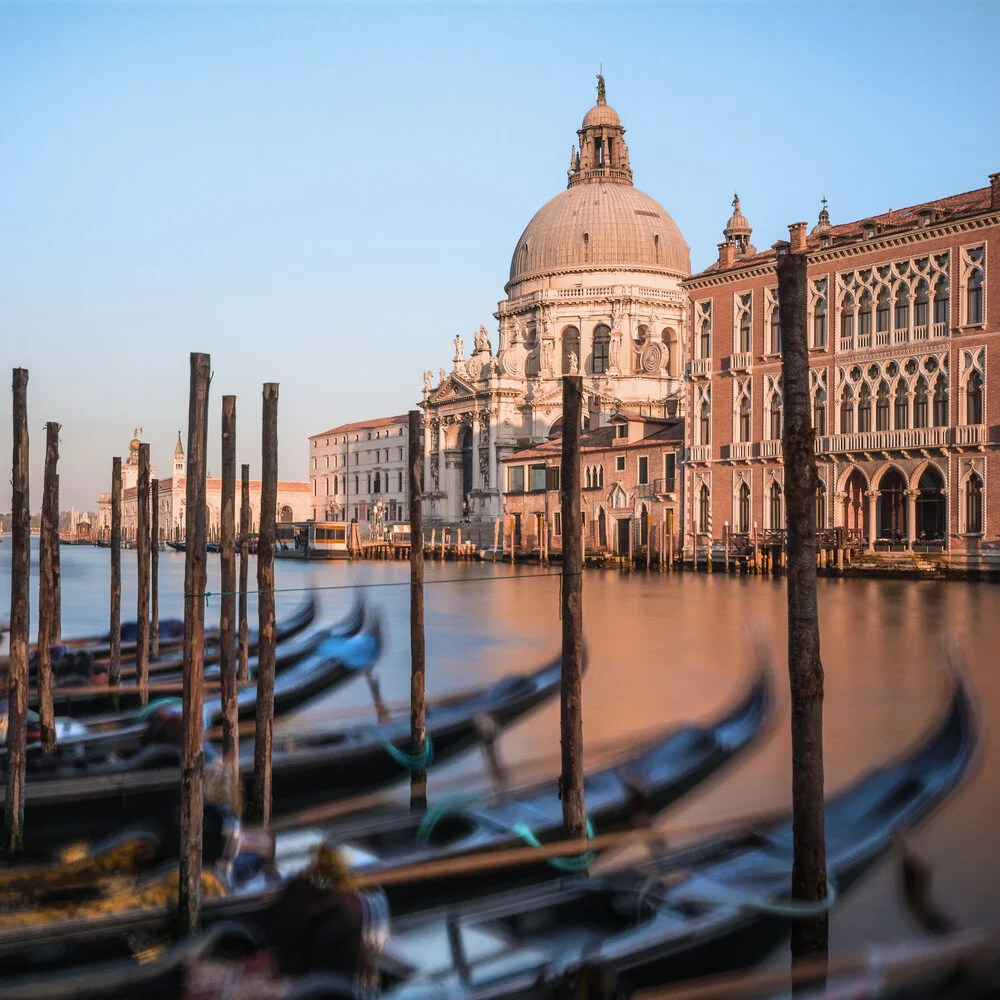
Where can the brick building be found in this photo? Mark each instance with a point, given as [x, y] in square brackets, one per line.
[631, 483]
[903, 339]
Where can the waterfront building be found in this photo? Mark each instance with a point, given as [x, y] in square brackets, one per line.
[903, 324]
[293, 499]
[631, 484]
[594, 287]
[352, 465]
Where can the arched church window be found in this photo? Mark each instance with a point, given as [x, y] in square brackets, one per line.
[570, 350]
[974, 504]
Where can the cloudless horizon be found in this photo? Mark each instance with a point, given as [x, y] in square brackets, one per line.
[324, 194]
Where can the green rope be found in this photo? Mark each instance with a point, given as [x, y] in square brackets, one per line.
[578, 864]
[412, 762]
[437, 812]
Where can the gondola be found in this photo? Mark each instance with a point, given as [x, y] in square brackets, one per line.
[177, 546]
[314, 665]
[659, 771]
[80, 698]
[79, 676]
[716, 906]
[87, 800]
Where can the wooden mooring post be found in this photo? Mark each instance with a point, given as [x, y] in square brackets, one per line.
[670, 547]
[725, 543]
[56, 630]
[496, 537]
[227, 602]
[48, 546]
[142, 577]
[195, 577]
[154, 570]
[243, 668]
[20, 620]
[810, 937]
[115, 637]
[418, 722]
[265, 606]
[571, 708]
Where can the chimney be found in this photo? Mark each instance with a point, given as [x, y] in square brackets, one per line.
[995, 192]
[797, 232]
[594, 411]
[727, 254]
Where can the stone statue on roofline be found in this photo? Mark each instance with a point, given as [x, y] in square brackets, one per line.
[459, 347]
[428, 375]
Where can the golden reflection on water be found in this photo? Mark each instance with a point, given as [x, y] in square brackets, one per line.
[674, 649]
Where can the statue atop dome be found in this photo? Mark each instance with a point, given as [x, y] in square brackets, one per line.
[601, 95]
[738, 230]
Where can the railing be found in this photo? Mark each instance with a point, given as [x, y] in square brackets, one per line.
[740, 362]
[939, 330]
[881, 338]
[864, 341]
[653, 293]
[699, 453]
[901, 335]
[700, 367]
[920, 332]
[582, 293]
[606, 173]
[770, 449]
[912, 437]
[846, 343]
[664, 486]
[740, 451]
[969, 434]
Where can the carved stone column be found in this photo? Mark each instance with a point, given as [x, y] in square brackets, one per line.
[476, 480]
[872, 497]
[428, 482]
[911, 516]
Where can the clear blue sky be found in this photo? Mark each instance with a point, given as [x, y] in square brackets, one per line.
[324, 194]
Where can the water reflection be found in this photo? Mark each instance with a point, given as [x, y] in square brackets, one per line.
[673, 648]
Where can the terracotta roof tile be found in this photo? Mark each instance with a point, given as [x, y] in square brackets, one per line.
[363, 425]
[601, 439]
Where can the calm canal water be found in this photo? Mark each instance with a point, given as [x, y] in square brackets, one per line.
[672, 648]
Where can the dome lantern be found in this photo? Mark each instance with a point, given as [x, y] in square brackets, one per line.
[738, 230]
[603, 154]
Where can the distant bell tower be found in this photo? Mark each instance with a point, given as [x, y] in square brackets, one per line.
[180, 462]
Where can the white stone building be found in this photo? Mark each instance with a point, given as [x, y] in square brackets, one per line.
[352, 465]
[594, 287]
[293, 499]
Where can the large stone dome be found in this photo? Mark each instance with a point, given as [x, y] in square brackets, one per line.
[600, 225]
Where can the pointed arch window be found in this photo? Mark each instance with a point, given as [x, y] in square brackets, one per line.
[901, 321]
[941, 402]
[901, 407]
[820, 505]
[847, 319]
[846, 411]
[744, 419]
[974, 399]
[704, 502]
[974, 296]
[705, 339]
[774, 505]
[743, 509]
[882, 312]
[941, 302]
[819, 322]
[864, 410]
[600, 475]
[865, 315]
[775, 417]
[920, 403]
[974, 504]
[921, 306]
[704, 423]
[882, 408]
[775, 343]
[819, 412]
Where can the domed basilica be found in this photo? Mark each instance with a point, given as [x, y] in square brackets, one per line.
[594, 288]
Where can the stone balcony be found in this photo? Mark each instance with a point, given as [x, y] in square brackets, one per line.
[700, 368]
[770, 449]
[700, 453]
[969, 434]
[740, 451]
[912, 438]
[740, 362]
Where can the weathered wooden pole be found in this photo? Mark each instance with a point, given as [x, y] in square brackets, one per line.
[115, 668]
[227, 620]
[195, 576]
[48, 544]
[154, 570]
[496, 537]
[265, 607]
[242, 672]
[810, 937]
[20, 619]
[142, 568]
[418, 725]
[571, 710]
[56, 630]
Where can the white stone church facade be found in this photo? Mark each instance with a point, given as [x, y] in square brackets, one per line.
[594, 287]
